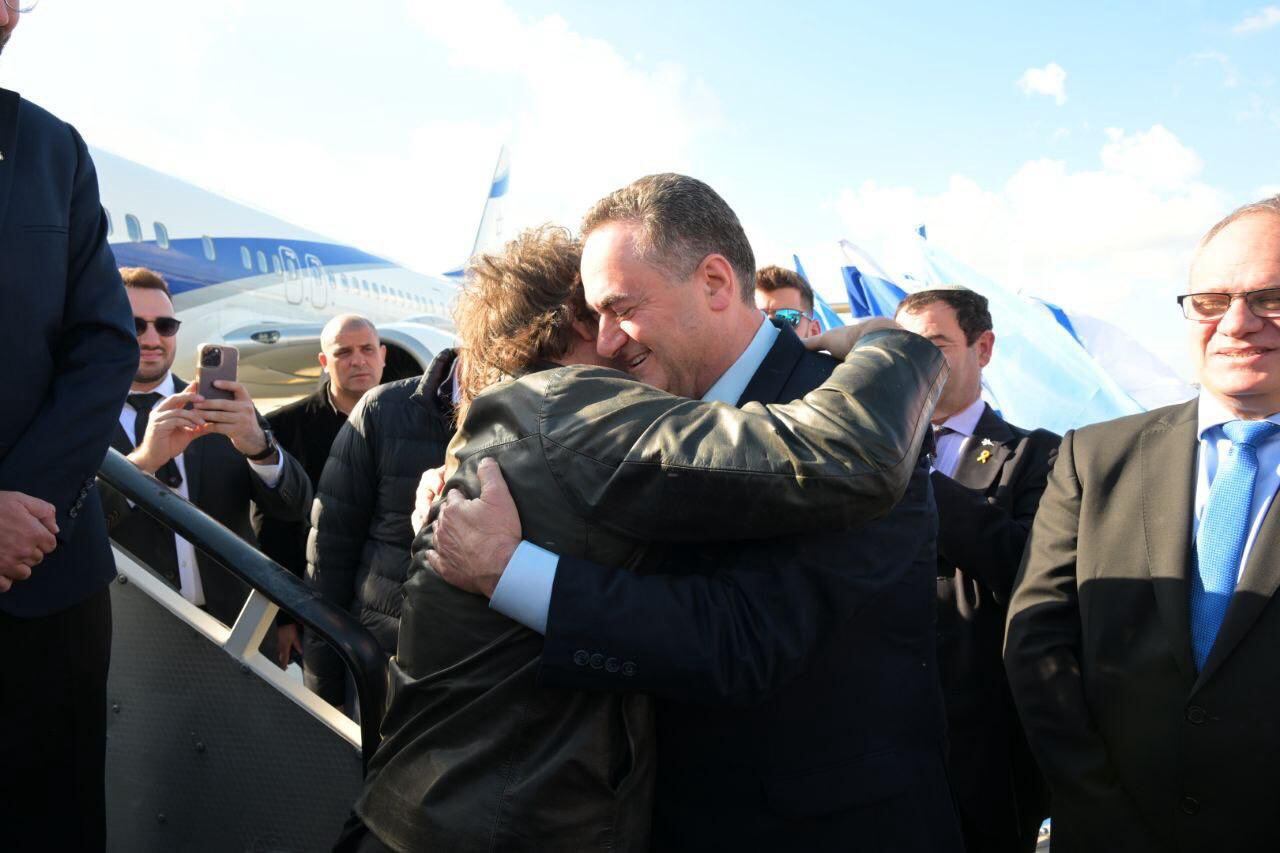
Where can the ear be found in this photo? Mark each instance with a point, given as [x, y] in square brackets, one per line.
[324, 361]
[585, 331]
[382, 350]
[716, 276]
[985, 343]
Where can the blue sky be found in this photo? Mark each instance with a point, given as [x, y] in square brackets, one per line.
[1136, 127]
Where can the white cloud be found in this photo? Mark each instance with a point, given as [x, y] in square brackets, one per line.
[1264, 19]
[1230, 76]
[591, 119]
[1050, 80]
[1111, 241]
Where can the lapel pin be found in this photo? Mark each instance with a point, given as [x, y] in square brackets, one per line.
[986, 442]
[984, 456]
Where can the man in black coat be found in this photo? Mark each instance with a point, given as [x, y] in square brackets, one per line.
[988, 479]
[824, 644]
[218, 454]
[353, 358]
[67, 326]
[358, 549]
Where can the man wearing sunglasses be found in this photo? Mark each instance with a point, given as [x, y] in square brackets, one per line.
[784, 296]
[67, 327]
[1143, 632]
[218, 454]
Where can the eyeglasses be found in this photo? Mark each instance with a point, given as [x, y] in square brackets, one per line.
[21, 6]
[166, 327]
[790, 316]
[1212, 306]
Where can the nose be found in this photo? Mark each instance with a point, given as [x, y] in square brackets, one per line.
[150, 337]
[1239, 320]
[611, 339]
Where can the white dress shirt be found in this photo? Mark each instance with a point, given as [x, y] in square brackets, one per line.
[1214, 446]
[948, 445]
[523, 592]
[188, 569]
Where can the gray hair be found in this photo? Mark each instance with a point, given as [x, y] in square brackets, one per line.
[681, 221]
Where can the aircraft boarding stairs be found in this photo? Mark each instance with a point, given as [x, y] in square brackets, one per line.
[210, 746]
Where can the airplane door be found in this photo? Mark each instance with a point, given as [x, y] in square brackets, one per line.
[292, 275]
[319, 289]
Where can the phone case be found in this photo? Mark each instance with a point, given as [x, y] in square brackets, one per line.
[226, 369]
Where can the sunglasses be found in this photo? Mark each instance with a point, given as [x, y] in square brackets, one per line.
[790, 316]
[166, 327]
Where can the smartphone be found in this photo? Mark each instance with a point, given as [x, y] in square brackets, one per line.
[217, 361]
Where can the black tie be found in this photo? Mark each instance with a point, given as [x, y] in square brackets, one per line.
[143, 404]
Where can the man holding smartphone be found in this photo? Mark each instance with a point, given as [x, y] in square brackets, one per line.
[217, 453]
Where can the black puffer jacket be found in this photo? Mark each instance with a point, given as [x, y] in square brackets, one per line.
[358, 548]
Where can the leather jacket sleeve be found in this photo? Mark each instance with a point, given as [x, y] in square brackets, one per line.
[664, 465]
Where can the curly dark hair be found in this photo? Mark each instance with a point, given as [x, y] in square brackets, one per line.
[518, 307]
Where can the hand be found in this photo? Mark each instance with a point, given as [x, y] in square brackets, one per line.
[170, 429]
[236, 419]
[839, 342]
[474, 539]
[429, 488]
[28, 531]
[288, 640]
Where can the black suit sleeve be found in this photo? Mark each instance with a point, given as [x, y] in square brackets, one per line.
[340, 521]
[290, 498]
[1043, 659]
[729, 631]
[57, 456]
[984, 538]
[285, 541]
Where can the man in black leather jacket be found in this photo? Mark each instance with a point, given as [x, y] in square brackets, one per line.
[476, 756]
[823, 642]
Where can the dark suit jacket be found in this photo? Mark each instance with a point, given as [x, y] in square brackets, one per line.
[826, 644]
[68, 326]
[221, 483]
[985, 510]
[305, 428]
[1142, 752]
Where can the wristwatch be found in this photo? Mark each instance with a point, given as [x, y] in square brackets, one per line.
[266, 452]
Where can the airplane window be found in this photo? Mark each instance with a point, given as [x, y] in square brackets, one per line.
[246, 258]
[162, 235]
[209, 252]
[262, 262]
[275, 266]
[134, 227]
[111, 226]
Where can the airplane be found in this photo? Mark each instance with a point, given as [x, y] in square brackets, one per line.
[242, 277]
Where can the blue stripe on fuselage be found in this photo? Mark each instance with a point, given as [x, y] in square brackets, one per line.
[185, 267]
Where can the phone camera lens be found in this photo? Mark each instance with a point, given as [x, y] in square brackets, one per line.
[211, 357]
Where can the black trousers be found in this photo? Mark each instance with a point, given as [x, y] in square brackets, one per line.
[53, 728]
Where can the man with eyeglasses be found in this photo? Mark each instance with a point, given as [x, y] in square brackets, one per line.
[218, 454]
[1143, 636]
[67, 328]
[783, 295]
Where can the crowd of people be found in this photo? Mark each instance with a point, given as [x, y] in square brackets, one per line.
[659, 563]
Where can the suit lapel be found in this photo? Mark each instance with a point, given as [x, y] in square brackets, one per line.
[8, 136]
[1258, 583]
[193, 456]
[1167, 457]
[992, 437]
[771, 377]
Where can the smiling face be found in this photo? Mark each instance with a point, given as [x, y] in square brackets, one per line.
[658, 329]
[155, 352]
[1237, 356]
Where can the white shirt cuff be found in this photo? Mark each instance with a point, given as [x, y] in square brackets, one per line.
[523, 592]
[269, 473]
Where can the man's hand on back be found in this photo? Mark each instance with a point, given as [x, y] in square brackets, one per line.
[28, 529]
[839, 342]
[474, 539]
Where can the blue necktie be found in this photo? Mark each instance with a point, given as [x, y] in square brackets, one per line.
[1224, 527]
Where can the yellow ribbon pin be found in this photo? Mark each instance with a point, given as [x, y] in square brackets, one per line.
[984, 456]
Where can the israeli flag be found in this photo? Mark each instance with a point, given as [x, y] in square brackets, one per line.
[827, 316]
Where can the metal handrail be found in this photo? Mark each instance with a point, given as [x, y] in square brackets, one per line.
[352, 641]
